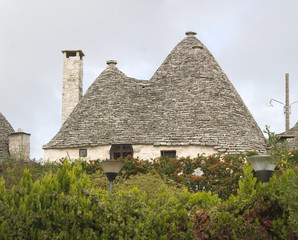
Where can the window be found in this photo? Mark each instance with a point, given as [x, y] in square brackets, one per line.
[83, 152]
[120, 151]
[169, 154]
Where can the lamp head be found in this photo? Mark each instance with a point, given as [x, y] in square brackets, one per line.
[263, 165]
[111, 169]
[269, 104]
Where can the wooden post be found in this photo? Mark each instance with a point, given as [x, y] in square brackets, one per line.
[287, 106]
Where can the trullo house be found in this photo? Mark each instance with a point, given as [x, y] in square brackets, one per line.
[189, 106]
[15, 144]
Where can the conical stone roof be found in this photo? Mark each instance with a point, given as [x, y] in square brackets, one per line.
[291, 136]
[188, 101]
[5, 130]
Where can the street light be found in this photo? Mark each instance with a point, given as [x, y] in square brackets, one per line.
[287, 105]
[111, 169]
[263, 165]
[287, 110]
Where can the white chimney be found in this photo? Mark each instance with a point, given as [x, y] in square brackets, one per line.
[72, 81]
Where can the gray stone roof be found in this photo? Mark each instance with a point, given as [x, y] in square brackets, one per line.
[5, 130]
[189, 100]
[291, 136]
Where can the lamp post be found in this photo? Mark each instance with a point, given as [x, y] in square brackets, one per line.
[287, 105]
[263, 165]
[111, 169]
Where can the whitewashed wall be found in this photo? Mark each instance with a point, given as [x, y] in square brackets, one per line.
[141, 151]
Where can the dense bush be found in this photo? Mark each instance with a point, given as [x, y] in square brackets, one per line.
[160, 199]
[151, 184]
[218, 173]
[12, 170]
[256, 212]
[65, 206]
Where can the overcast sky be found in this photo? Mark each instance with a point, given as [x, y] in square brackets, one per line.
[254, 41]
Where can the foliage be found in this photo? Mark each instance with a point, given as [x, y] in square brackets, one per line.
[287, 186]
[12, 170]
[64, 205]
[151, 184]
[276, 147]
[208, 197]
[256, 212]
[218, 173]
[221, 173]
[288, 157]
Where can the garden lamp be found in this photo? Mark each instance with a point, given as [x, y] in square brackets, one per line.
[111, 169]
[263, 165]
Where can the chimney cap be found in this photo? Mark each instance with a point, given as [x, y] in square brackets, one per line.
[112, 63]
[190, 33]
[73, 53]
[19, 132]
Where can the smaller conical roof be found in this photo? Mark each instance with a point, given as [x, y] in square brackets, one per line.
[292, 136]
[109, 112]
[5, 130]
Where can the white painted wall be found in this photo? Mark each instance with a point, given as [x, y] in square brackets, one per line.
[149, 151]
[93, 153]
[145, 152]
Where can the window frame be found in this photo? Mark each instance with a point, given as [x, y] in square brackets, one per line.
[83, 152]
[168, 153]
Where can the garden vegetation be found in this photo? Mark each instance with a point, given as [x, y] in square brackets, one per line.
[207, 197]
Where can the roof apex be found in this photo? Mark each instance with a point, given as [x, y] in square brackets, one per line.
[190, 33]
[112, 63]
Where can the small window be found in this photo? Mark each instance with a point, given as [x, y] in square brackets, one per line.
[83, 152]
[169, 154]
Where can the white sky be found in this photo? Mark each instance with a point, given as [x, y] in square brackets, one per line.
[254, 41]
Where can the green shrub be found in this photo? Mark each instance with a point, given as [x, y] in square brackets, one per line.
[151, 184]
[256, 212]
